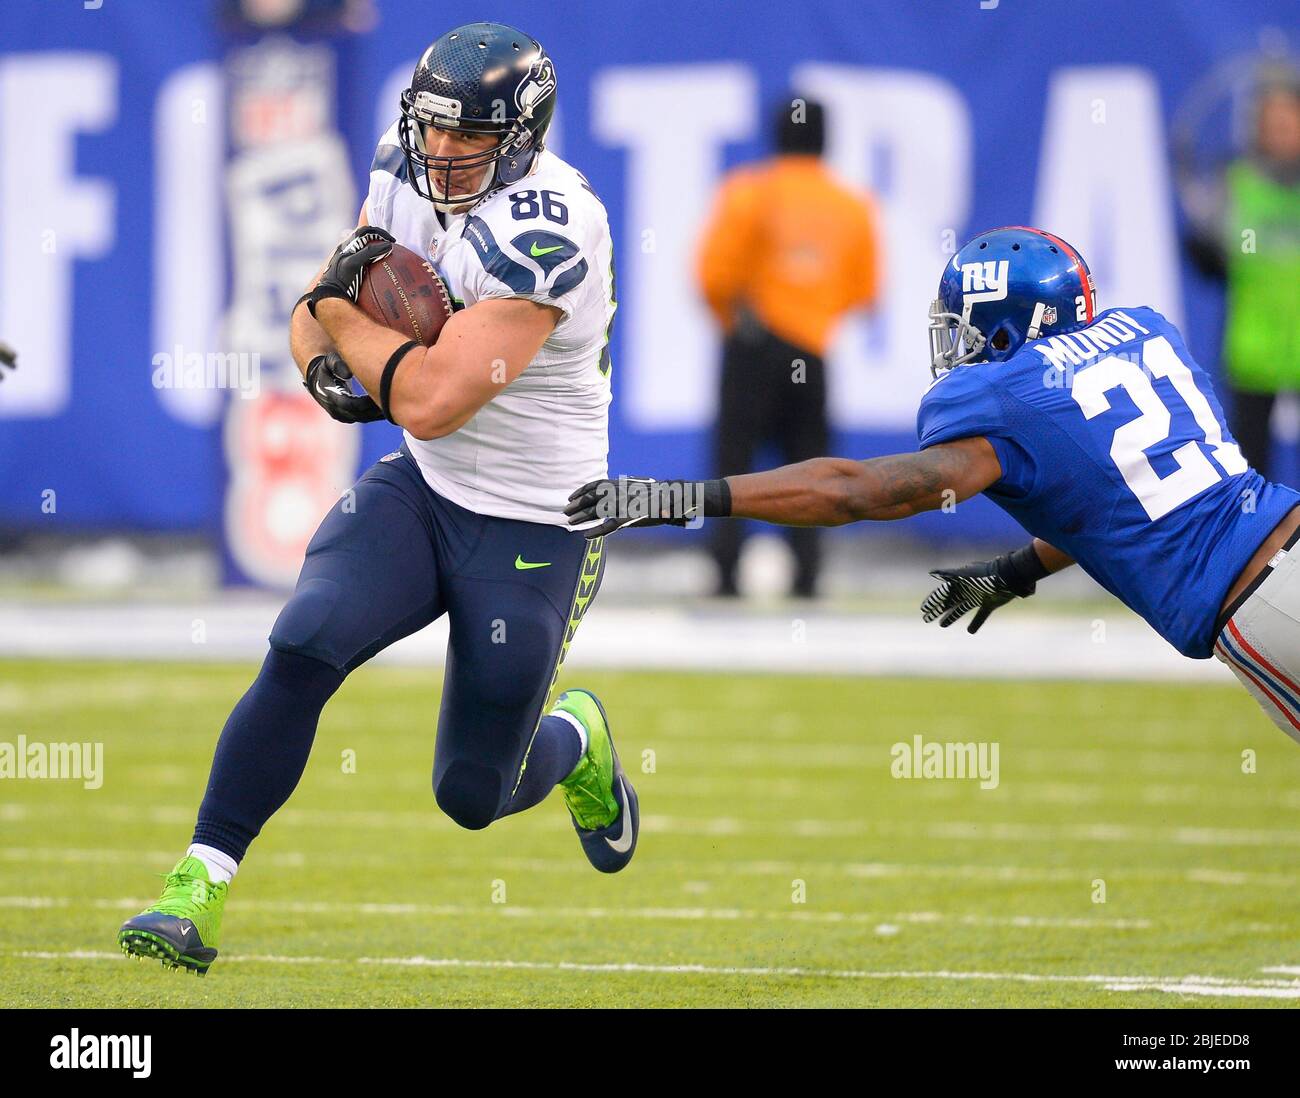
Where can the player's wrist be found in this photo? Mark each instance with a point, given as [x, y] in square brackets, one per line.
[1021, 569]
[684, 501]
[716, 497]
[327, 297]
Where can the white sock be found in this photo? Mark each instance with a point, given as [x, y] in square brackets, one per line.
[221, 866]
[564, 714]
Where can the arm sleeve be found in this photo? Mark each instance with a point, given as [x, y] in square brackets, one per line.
[387, 177]
[961, 404]
[864, 286]
[540, 264]
[723, 247]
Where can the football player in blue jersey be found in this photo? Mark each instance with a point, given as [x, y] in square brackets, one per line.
[1098, 432]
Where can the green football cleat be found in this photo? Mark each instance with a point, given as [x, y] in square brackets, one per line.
[600, 799]
[181, 929]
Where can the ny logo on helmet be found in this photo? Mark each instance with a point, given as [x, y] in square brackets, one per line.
[985, 281]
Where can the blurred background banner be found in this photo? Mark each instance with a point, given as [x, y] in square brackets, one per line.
[170, 176]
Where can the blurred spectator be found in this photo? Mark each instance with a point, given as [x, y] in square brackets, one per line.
[787, 251]
[1250, 238]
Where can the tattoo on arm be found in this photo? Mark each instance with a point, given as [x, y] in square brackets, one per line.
[833, 491]
[905, 484]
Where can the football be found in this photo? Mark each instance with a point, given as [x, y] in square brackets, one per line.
[404, 292]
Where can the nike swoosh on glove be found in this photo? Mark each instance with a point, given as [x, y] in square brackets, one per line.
[328, 378]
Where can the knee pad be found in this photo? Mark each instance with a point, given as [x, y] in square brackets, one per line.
[469, 793]
[308, 680]
[302, 625]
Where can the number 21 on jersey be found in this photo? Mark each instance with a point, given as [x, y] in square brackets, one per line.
[1195, 472]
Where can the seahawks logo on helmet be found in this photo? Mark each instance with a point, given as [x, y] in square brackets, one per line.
[539, 83]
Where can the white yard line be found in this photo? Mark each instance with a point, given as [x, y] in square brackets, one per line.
[162, 859]
[669, 914]
[1244, 991]
[1023, 791]
[960, 830]
[1176, 985]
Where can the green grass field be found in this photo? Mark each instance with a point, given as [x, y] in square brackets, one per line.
[914, 893]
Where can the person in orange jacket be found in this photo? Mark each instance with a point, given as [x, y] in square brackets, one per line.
[787, 251]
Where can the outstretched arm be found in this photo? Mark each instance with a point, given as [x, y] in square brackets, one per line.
[835, 491]
[820, 492]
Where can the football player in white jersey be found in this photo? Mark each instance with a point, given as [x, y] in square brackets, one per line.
[500, 419]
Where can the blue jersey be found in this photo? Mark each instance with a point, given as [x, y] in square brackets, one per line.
[1114, 449]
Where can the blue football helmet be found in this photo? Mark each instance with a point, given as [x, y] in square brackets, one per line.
[1005, 287]
[482, 78]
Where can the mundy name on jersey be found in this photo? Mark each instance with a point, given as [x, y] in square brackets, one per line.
[1115, 450]
[545, 238]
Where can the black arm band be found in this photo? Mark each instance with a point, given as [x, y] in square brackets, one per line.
[1022, 569]
[717, 498]
[299, 302]
[386, 381]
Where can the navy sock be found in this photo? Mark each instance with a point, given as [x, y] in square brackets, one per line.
[263, 749]
[555, 752]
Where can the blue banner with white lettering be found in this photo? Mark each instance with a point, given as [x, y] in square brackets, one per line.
[165, 184]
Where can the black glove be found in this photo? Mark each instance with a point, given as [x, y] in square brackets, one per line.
[641, 501]
[982, 586]
[8, 357]
[347, 266]
[327, 380]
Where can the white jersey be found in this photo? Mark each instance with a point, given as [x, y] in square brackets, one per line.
[545, 238]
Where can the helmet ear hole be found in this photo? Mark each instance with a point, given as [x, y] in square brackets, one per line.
[1001, 340]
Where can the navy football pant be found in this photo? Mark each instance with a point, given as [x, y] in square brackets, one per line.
[388, 559]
